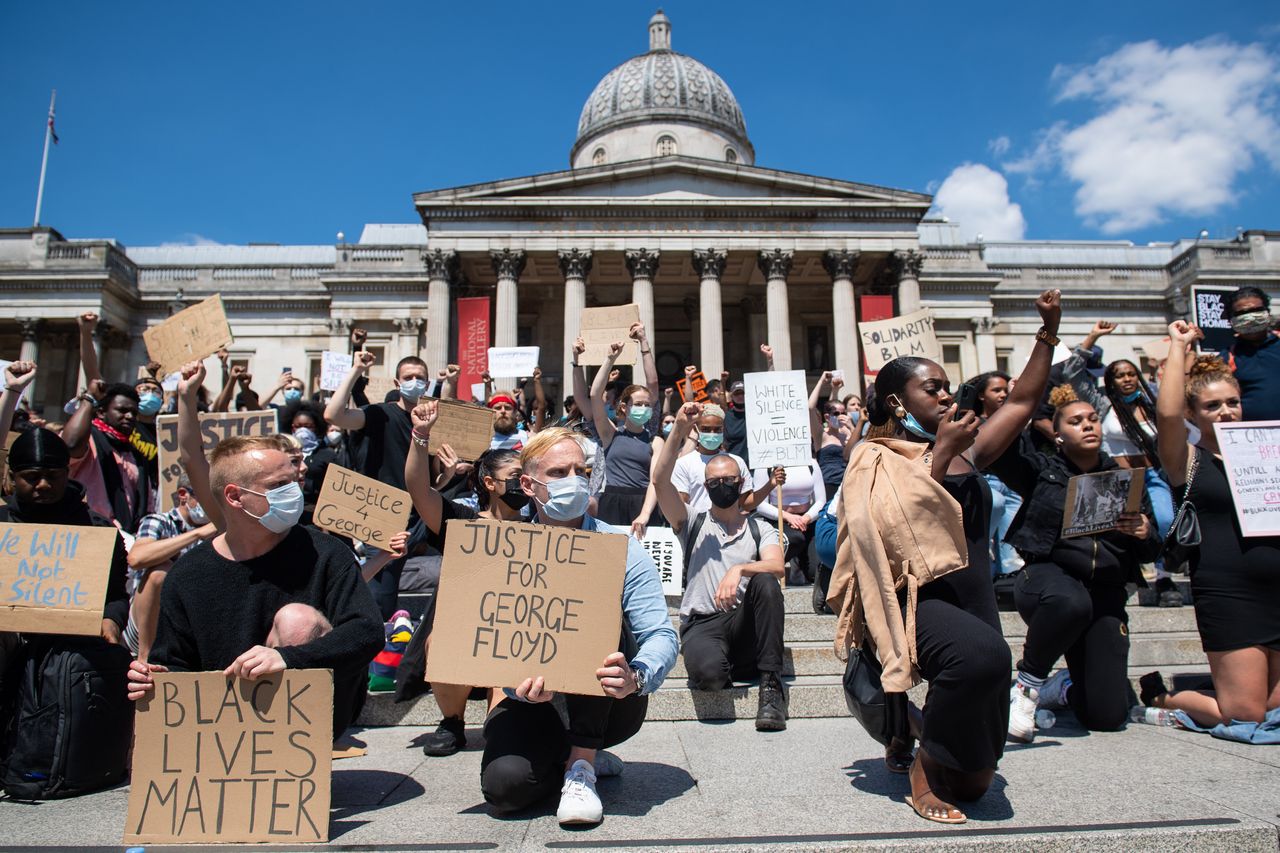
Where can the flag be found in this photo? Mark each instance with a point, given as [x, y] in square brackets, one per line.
[53, 134]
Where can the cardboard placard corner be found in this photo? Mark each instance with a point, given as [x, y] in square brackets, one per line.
[194, 333]
[1095, 501]
[227, 760]
[365, 509]
[602, 327]
[54, 577]
[1251, 456]
[906, 335]
[466, 428]
[776, 403]
[520, 601]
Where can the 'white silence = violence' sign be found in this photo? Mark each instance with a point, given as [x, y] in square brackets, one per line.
[911, 334]
[777, 407]
[1251, 455]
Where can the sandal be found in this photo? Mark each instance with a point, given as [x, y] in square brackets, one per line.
[938, 811]
[899, 755]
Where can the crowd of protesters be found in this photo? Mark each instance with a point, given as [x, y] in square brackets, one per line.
[918, 505]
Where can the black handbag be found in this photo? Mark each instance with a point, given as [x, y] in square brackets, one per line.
[1183, 537]
[883, 715]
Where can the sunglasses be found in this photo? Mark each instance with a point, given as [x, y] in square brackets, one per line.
[713, 482]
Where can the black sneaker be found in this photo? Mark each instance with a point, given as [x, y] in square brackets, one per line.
[771, 715]
[1167, 593]
[449, 737]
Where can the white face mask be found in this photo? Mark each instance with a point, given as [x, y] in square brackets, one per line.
[284, 507]
[567, 498]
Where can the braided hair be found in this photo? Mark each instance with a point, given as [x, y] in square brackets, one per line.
[1124, 411]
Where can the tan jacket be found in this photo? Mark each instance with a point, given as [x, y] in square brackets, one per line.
[899, 528]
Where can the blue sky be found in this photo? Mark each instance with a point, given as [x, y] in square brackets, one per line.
[288, 122]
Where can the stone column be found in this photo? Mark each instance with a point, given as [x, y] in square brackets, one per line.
[985, 342]
[441, 266]
[30, 352]
[508, 264]
[775, 264]
[575, 264]
[643, 266]
[841, 265]
[908, 265]
[709, 264]
[339, 334]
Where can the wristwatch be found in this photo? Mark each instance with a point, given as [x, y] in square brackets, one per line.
[1045, 336]
[641, 675]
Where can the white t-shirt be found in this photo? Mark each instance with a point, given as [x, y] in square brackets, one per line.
[804, 486]
[690, 478]
[1116, 442]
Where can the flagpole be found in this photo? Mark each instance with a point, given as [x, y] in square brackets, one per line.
[44, 160]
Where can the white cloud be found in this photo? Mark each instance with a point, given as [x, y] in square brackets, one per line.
[976, 198]
[190, 239]
[1175, 129]
[1000, 145]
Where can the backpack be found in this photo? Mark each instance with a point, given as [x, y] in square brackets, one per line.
[695, 527]
[72, 721]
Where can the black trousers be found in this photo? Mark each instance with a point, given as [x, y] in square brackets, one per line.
[526, 744]
[801, 548]
[967, 662]
[738, 643]
[350, 688]
[1089, 626]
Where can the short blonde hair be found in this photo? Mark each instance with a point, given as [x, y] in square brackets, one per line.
[544, 441]
[227, 462]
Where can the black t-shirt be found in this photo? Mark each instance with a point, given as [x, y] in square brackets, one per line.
[448, 510]
[735, 433]
[143, 440]
[212, 610]
[385, 440]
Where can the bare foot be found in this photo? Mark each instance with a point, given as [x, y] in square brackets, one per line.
[929, 798]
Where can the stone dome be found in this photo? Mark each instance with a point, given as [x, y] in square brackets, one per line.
[659, 87]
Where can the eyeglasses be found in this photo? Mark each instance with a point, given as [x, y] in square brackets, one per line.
[714, 482]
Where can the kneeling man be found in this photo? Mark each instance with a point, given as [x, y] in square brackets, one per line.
[732, 610]
[267, 594]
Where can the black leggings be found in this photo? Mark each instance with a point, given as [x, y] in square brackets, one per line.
[800, 547]
[526, 744]
[737, 643]
[1089, 626]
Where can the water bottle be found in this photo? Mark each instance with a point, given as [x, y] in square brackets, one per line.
[1152, 716]
[1045, 719]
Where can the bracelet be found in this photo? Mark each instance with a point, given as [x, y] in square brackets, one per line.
[15, 389]
[420, 440]
[1046, 337]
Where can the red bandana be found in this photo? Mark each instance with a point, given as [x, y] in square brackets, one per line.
[110, 431]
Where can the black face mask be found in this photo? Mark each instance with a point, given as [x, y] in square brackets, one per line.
[723, 495]
[514, 497]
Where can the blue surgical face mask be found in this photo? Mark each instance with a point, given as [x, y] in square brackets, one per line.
[911, 425]
[710, 441]
[307, 438]
[611, 412]
[413, 389]
[292, 395]
[854, 417]
[149, 404]
[1133, 397]
[567, 498]
[639, 415]
[284, 507]
[666, 429]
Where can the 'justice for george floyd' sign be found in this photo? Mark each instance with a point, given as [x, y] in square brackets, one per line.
[520, 601]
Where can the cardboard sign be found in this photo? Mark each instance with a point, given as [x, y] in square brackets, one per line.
[519, 601]
[334, 367]
[910, 334]
[1209, 311]
[467, 429]
[193, 333]
[1095, 501]
[664, 547]
[218, 759]
[1157, 350]
[699, 382]
[777, 408]
[361, 507]
[54, 577]
[214, 426]
[1251, 455]
[602, 327]
[379, 387]
[513, 361]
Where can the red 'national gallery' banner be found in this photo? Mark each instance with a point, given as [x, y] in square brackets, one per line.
[873, 307]
[473, 342]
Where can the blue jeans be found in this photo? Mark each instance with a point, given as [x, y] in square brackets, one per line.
[1005, 503]
[1161, 501]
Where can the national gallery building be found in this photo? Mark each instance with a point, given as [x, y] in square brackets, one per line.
[662, 205]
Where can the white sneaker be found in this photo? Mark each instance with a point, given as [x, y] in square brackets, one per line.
[579, 803]
[1022, 713]
[1053, 693]
[607, 765]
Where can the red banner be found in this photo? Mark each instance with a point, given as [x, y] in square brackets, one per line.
[473, 342]
[873, 307]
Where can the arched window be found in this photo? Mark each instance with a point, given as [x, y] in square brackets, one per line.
[666, 146]
[598, 157]
[730, 156]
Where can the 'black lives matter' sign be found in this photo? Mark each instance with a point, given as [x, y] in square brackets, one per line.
[520, 601]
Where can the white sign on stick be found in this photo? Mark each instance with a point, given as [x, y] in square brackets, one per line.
[512, 361]
[1251, 455]
[334, 367]
[664, 546]
[777, 406]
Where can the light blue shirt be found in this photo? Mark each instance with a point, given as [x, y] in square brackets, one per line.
[645, 608]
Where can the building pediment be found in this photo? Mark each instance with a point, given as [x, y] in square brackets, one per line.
[670, 179]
